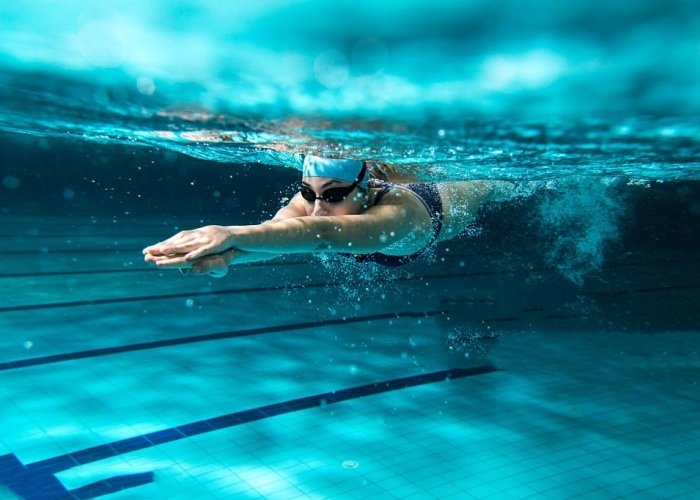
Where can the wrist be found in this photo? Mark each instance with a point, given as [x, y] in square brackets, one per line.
[233, 234]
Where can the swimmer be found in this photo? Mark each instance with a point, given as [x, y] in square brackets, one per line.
[338, 209]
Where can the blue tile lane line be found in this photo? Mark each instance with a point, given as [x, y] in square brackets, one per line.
[37, 481]
[91, 353]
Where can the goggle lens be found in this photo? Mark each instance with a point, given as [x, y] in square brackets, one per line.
[332, 195]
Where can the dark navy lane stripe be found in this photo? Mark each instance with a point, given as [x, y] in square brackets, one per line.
[564, 316]
[271, 263]
[48, 251]
[622, 293]
[35, 238]
[505, 319]
[285, 262]
[69, 239]
[93, 302]
[36, 481]
[76, 273]
[161, 227]
[106, 351]
[667, 288]
[118, 300]
[129, 270]
[96, 453]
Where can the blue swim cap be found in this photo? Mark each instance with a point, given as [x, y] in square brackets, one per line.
[344, 170]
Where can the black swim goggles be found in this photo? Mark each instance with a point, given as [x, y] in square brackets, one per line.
[332, 195]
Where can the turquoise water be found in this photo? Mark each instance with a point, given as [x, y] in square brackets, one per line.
[551, 351]
[456, 90]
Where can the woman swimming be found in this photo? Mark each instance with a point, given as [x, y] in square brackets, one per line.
[338, 209]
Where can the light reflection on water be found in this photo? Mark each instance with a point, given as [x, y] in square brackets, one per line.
[448, 90]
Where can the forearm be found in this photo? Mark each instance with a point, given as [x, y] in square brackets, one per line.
[296, 235]
[245, 257]
[309, 234]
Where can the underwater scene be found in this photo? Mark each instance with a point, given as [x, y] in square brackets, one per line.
[534, 172]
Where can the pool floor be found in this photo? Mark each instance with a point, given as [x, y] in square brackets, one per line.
[117, 379]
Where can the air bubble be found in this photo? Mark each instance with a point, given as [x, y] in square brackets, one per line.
[331, 69]
[145, 86]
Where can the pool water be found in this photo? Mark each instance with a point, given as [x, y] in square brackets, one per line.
[550, 351]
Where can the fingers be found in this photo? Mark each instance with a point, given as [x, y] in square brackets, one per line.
[179, 246]
[182, 242]
[157, 249]
[163, 250]
[155, 257]
[167, 262]
[148, 257]
[153, 249]
[200, 252]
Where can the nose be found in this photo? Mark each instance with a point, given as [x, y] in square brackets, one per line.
[320, 208]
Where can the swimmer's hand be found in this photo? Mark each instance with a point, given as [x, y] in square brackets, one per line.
[192, 244]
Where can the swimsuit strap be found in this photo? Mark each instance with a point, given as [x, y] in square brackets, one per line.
[385, 188]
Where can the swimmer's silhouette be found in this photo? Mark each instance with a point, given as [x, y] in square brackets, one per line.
[340, 208]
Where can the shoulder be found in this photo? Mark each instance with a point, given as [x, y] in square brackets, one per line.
[295, 208]
[399, 200]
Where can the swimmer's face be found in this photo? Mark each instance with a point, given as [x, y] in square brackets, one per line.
[354, 203]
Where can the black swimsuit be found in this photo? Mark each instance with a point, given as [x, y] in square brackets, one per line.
[430, 197]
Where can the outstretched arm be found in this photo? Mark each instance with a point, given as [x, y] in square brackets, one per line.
[401, 228]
